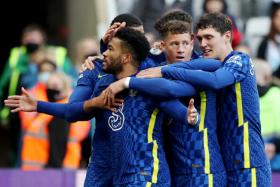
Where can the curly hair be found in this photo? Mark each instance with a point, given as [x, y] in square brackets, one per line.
[218, 21]
[135, 42]
[175, 14]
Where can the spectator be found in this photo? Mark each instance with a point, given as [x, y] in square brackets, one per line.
[269, 112]
[21, 70]
[149, 11]
[270, 45]
[50, 141]
[85, 47]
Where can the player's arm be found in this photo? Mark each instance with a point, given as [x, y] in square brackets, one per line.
[205, 64]
[160, 87]
[176, 110]
[74, 107]
[203, 79]
[234, 70]
[197, 64]
[28, 103]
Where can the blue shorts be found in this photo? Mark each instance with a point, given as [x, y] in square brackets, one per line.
[200, 180]
[98, 176]
[259, 176]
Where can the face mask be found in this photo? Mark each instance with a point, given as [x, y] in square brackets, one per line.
[43, 77]
[53, 95]
[31, 47]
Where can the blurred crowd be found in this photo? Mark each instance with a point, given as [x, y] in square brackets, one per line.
[37, 141]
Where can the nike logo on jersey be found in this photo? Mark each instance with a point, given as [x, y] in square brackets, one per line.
[100, 76]
[235, 59]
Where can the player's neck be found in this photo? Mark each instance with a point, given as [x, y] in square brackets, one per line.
[127, 71]
[226, 52]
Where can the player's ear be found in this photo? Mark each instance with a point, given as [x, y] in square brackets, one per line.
[126, 58]
[228, 36]
[162, 45]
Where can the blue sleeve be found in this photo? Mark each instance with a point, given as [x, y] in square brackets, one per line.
[202, 79]
[204, 64]
[75, 112]
[54, 109]
[240, 65]
[81, 93]
[69, 111]
[176, 110]
[163, 88]
[103, 46]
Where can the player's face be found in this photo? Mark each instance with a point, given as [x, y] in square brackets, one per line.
[178, 47]
[213, 43]
[112, 57]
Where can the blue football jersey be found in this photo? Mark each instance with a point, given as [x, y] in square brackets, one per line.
[196, 149]
[239, 122]
[136, 139]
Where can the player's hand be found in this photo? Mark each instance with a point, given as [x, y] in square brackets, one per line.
[98, 102]
[150, 73]
[157, 45]
[112, 31]
[25, 102]
[192, 115]
[117, 102]
[112, 90]
[89, 63]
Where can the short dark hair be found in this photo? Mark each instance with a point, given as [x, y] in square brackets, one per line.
[218, 21]
[130, 20]
[135, 42]
[175, 14]
[175, 27]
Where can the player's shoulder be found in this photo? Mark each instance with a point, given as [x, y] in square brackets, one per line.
[148, 63]
[238, 58]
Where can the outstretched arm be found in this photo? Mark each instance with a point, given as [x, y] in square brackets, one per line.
[27, 103]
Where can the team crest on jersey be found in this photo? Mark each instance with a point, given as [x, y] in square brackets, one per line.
[116, 120]
[81, 76]
[236, 59]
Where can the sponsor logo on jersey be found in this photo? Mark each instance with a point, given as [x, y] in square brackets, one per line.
[116, 120]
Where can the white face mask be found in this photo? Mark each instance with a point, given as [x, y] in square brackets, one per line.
[43, 77]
